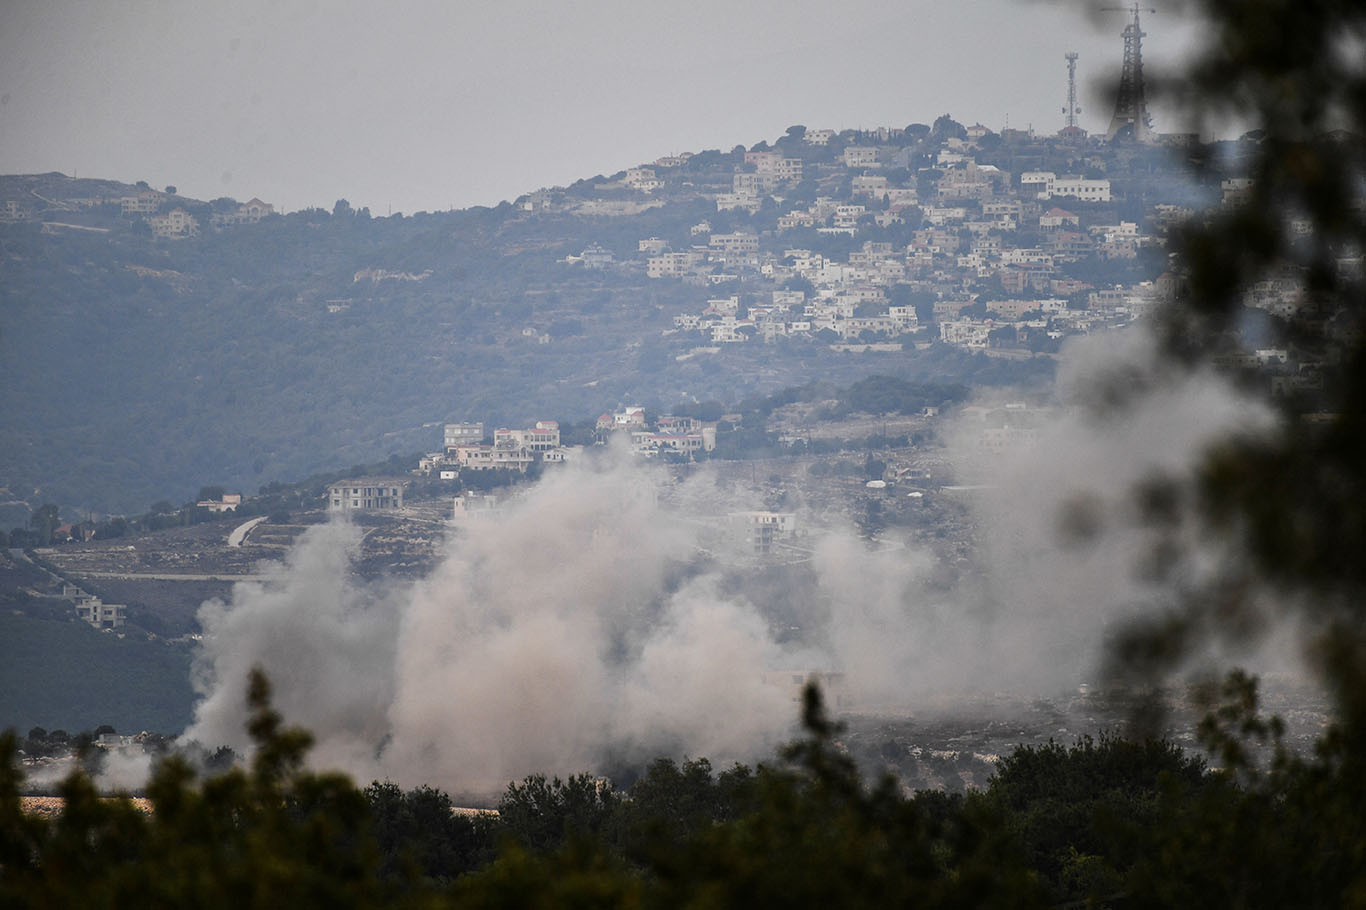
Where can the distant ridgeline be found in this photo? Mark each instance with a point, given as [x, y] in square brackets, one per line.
[152, 341]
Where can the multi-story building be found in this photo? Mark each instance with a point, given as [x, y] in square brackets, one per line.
[784, 170]
[860, 156]
[175, 223]
[253, 211]
[748, 201]
[504, 453]
[734, 243]
[596, 257]
[759, 532]
[967, 333]
[100, 615]
[644, 442]
[1056, 219]
[542, 437]
[366, 494]
[672, 265]
[1047, 185]
[642, 178]
[868, 185]
[463, 434]
[144, 203]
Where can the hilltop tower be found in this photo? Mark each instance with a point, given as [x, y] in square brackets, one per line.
[1131, 107]
[1071, 132]
[1071, 110]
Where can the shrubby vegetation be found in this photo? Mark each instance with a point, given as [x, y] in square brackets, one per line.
[1106, 823]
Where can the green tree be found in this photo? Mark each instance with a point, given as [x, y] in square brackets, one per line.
[421, 839]
[274, 835]
[43, 523]
[1084, 813]
[543, 814]
[820, 837]
[673, 803]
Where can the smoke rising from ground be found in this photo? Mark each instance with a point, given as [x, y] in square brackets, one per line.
[590, 622]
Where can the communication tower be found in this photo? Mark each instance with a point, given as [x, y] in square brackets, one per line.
[1131, 107]
[1071, 110]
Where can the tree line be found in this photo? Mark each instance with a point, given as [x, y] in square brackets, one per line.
[1112, 822]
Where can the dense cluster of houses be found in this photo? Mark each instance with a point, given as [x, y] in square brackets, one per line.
[668, 435]
[969, 223]
[467, 445]
[972, 227]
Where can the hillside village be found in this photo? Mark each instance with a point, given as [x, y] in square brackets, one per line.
[860, 256]
[865, 241]
[937, 252]
[860, 243]
[871, 241]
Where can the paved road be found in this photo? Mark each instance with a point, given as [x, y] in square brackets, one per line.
[240, 532]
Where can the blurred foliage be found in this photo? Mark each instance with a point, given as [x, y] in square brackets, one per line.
[274, 835]
[1103, 823]
[1285, 505]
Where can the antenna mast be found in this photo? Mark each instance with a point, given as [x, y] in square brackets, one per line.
[1071, 110]
[1131, 106]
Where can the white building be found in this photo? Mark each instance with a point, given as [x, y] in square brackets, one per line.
[859, 156]
[1047, 185]
[1083, 188]
[366, 494]
[596, 257]
[100, 615]
[734, 243]
[470, 506]
[760, 531]
[672, 265]
[966, 333]
[175, 223]
[227, 503]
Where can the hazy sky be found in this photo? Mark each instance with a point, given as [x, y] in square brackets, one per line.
[407, 106]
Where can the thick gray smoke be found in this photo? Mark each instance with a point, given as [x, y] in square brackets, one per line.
[586, 624]
[327, 642]
[1064, 548]
[565, 631]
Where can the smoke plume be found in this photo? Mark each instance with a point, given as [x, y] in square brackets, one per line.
[592, 622]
